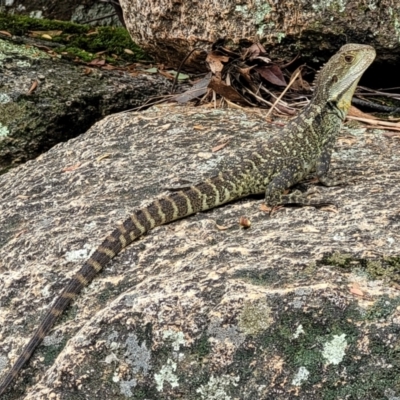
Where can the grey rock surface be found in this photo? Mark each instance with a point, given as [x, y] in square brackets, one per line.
[44, 100]
[305, 304]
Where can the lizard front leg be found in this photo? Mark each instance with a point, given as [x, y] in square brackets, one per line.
[323, 165]
[284, 180]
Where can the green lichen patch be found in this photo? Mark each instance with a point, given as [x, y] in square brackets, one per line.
[255, 317]
[329, 357]
[386, 268]
[383, 308]
[51, 351]
[255, 277]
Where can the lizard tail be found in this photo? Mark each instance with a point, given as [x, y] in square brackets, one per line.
[161, 211]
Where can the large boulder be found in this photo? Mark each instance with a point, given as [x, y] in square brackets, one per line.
[45, 100]
[169, 30]
[305, 304]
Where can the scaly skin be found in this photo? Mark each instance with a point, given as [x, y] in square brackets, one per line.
[304, 145]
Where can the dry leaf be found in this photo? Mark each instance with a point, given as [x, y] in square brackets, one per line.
[215, 60]
[355, 289]
[272, 74]
[378, 124]
[254, 51]
[226, 91]
[97, 62]
[166, 74]
[6, 33]
[33, 87]
[129, 51]
[350, 140]
[310, 228]
[355, 112]
[299, 83]
[199, 127]
[219, 147]
[221, 228]
[87, 71]
[103, 156]
[71, 168]
[18, 234]
[198, 89]
[265, 208]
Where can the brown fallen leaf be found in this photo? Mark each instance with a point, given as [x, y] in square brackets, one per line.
[97, 62]
[166, 74]
[299, 83]
[310, 229]
[87, 70]
[18, 234]
[103, 156]
[198, 89]
[33, 87]
[350, 140]
[355, 112]
[355, 289]
[272, 74]
[71, 168]
[219, 147]
[256, 52]
[221, 228]
[265, 208]
[5, 33]
[215, 60]
[377, 123]
[226, 91]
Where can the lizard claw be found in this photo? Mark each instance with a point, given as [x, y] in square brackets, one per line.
[274, 210]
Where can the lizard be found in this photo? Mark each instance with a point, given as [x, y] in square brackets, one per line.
[303, 146]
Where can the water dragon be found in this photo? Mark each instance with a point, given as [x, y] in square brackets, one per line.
[303, 146]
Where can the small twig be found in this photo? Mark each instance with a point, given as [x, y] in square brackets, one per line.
[180, 67]
[147, 104]
[372, 92]
[375, 106]
[283, 93]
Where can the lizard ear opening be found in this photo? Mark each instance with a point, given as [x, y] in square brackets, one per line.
[334, 79]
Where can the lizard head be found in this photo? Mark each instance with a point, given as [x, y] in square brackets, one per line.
[338, 78]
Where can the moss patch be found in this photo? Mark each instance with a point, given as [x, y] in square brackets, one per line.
[386, 268]
[76, 40]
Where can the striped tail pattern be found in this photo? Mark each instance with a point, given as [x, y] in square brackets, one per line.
[208, 194]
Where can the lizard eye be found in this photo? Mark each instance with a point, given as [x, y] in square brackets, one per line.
[348, 59]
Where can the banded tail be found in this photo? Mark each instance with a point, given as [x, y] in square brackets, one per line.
[211, 193]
